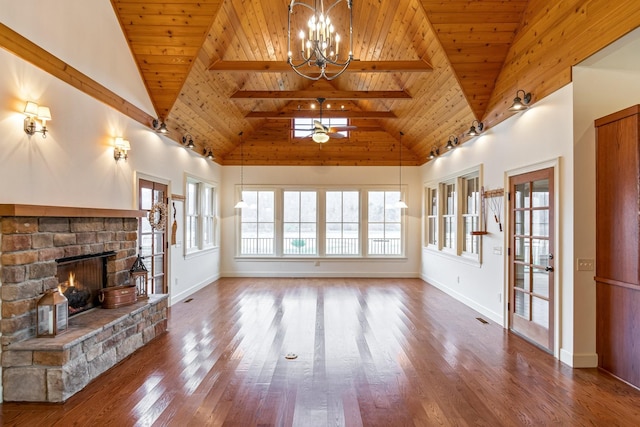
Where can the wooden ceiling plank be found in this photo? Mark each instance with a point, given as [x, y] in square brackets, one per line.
[418, 66]
[315, 94]
[325, 114]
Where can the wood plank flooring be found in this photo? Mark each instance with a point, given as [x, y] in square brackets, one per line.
[370, 352]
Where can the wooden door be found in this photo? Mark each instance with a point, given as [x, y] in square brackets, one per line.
[531, 262]
[153, 241]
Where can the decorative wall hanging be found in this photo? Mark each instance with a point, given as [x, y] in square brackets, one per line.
[158, 216]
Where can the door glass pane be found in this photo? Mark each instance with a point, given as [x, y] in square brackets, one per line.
[522, 249]
[540, 252]
[522, 304]
[541, 282]
[523, 278]
[540, 222]
[522, 195]
[145, 198]
[540, 311]
[540, 193]
[522, 222]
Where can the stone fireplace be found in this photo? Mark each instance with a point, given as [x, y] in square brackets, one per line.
[39, 247]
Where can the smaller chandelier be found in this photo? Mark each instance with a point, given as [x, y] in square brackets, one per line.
[319, 42]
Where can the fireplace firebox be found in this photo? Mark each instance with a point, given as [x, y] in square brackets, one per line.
[80, 279]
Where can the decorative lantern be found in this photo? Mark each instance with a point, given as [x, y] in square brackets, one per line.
[139, 276]
[52, 314]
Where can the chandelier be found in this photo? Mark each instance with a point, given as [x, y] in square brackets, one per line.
[319, 44]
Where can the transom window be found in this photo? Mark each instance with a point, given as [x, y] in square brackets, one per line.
[303, 127]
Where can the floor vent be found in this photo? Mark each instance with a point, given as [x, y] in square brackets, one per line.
[481, 320]
[188, 300]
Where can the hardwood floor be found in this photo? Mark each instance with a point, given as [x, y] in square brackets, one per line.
[370, 352]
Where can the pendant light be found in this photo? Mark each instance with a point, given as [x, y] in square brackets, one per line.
[241, 204]
[400, 204]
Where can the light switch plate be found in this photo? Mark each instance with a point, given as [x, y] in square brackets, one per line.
[585, 264]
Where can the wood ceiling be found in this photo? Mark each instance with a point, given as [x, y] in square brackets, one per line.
[426, 68]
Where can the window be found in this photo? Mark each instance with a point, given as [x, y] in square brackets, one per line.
[200, 216]
[320, 222]
[384, 223]
[449, 216]
[303, 127]
[452, 212]
[300, 223]
[342, 225]
[257, 231]
[432, 216]
[191, 221]
[470, 213]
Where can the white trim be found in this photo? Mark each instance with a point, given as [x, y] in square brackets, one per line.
[173, 299]
[583, 360]
[556, 164]
[464, 299]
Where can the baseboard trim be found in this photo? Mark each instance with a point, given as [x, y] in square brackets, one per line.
[496, 317]
[337, 274]
[192, 289]
[579, 360]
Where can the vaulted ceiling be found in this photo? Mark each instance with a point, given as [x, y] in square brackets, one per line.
[424, 68]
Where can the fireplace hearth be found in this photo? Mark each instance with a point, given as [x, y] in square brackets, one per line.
[80, 279]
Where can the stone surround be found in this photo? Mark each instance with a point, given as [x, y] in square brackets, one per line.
[54, 369]
[31, 239]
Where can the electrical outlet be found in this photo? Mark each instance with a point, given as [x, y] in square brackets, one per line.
[499, 296]
[458, 279]
[497, 250]
[585, 264]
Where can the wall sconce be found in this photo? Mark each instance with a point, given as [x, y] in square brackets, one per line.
[35, 112]
[452, 142]
[208, 153]
[476, 128]
[121, 148]
[435, 152]
[520, 103]
[159, 126]
[188, 139]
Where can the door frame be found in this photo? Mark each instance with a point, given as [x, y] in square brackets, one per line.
[137, 176]
[556, 164]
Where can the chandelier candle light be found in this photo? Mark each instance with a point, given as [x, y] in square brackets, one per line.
[320, 42]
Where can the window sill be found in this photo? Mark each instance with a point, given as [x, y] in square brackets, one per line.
[290, 258]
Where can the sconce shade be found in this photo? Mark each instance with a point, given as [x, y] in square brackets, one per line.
[31, 109]
[159, 126]
[44, 114]
[434, 153]
[452, 142]
[520, 104]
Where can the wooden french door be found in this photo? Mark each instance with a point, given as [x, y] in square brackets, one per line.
[153, 241]
[531, 262]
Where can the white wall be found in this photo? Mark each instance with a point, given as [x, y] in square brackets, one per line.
[321, 176]
[541, 135]
[74, 165]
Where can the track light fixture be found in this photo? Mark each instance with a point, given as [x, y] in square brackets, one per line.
[207, 152]
[520, 103]
[435, 152]
[188, 139]
[452, 142]
[159, 126]
[476, 128]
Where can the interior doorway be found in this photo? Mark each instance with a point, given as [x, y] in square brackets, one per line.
[153, 240]
[531, 259]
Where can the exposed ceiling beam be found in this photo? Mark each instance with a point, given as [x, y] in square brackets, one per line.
[419, 66]
[335, 95]
[325, 114]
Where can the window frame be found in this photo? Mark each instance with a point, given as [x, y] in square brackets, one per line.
[242, 195]
[201, 216]
[459, 181]
[321, 221]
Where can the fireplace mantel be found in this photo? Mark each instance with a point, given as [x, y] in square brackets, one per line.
[67, 212]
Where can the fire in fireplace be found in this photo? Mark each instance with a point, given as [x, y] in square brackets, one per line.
[81, 278]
